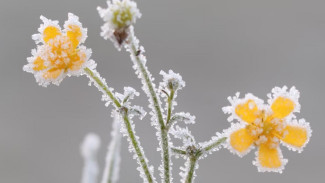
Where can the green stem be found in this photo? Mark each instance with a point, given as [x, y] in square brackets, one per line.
[137, 148]
[170, 103]
[157, 107]
[190, 174]
[103, 86]
[127, 123]
[214, 144]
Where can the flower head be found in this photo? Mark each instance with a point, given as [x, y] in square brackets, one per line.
[58, 53]
[118, 16]
[266, 126]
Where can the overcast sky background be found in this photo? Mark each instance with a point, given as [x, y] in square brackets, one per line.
[219, 47]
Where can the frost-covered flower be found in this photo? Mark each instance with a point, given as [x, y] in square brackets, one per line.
[118, 16]
[266, 126]
[58, 53]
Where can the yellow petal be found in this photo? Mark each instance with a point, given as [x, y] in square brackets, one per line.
[39, 64]
[241, 140]
[296, 136]
[282, 107]
[247, 111]
[52, 74]
[269, 157]
[74, 33]
[50, 32]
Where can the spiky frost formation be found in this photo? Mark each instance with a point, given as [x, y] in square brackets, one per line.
[89, 150]
[113, 157]
[149, 88]
[59, 53]
[266, 126]
[132, 140]
[118, 16]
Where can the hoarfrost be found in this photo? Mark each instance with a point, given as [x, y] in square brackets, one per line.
[89, 150]
[134, 151]
[113, 157]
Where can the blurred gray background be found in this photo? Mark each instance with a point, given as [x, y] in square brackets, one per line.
[219, 47]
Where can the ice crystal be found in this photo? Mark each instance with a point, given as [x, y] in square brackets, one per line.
[118, 16]
[89, 150]
[113, 157]
[59, 53]
[266, 126]
[184, 134]
[93, 79]
[187, 118]
[124, 131]
[172, 81]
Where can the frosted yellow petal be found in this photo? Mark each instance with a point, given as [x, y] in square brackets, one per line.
[74, 33]
[269, 157]
[50, 32]
[247, 111]
[52, 74]
[282, 107]
[241, 140]
[295, 135]
[39, 64]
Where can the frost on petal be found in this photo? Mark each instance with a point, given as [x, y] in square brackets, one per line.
[297, 135]
[243, 109]
[74, 30]
[113, 157]
[48, 30]
[89, 150]
[59, 54]
[284, 103]
[238, 141]
[269, 159]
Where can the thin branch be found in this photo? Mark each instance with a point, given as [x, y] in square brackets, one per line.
[131, 133]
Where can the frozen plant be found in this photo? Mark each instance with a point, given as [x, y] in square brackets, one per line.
[60, 53]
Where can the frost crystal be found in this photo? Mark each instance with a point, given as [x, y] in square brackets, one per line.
[113, 157]
[172, 81]
[118, 16]
[266, 126]
[60, 53]
[124, 131]
[89, 150]
[184, 134]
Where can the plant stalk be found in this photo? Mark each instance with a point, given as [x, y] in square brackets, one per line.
[127, 123]
[164, 132]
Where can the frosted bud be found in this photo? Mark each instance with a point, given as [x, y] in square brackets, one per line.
[172, 81]
[118, 16]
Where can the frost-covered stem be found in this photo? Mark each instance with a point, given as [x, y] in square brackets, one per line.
[111, 171]
[190, 174]
[164, 133]
[100, 83]
[170, 102]
[178, 151]
[214, 144]
[131, 133]
[137, 148]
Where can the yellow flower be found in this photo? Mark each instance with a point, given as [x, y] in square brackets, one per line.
[266, 126]
[59, 53]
